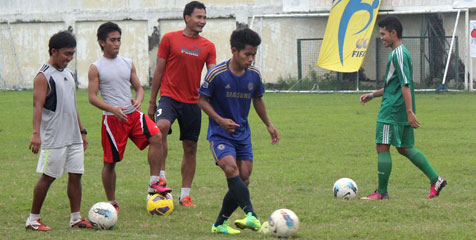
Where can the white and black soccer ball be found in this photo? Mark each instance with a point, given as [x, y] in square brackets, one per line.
[103, 215]
[345, 188]
[283, 223]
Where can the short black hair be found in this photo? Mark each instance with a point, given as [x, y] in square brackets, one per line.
[244, 36]
[105, 29]
[190, 7]
[392, 23]
[61, 39]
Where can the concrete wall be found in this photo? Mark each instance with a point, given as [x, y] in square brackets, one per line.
[134, 41]
[144, 22]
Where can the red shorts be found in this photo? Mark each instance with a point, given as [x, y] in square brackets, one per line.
[138, 127]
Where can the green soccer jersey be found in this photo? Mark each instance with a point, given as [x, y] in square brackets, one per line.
[399, 73]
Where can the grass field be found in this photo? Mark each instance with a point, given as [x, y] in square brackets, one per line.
[323, 138]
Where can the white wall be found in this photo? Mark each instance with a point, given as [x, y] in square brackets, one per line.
[133, 45]
[144, 22]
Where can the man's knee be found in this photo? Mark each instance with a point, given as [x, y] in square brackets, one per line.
[156, 139]
[402, 150]
[189, 147]
[231, 171]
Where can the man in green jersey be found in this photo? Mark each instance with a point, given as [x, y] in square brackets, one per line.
[396, 118]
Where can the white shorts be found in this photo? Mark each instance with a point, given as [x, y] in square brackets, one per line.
[53, 162]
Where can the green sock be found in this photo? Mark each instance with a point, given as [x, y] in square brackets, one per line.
[384, 170]
[419, 160]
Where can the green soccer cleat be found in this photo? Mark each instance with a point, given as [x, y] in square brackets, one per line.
[224, 228]
[249, 221]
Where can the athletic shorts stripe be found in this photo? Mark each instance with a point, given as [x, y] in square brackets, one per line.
[143, 124]
[47, 151]
[112, 141]
[386, 133]
[212, 149]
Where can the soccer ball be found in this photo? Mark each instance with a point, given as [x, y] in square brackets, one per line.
[168, 196]
[102, 215]
[283, 223]
[160, 205]
[345, 188]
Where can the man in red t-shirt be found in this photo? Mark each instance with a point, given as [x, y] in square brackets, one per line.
[180, 61]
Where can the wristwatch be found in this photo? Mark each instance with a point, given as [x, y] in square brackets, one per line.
[84, 131]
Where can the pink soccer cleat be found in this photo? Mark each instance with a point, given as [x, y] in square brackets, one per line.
[437, 187]
[376, 196]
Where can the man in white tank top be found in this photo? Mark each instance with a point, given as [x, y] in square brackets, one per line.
[57, 131]
[113, 76]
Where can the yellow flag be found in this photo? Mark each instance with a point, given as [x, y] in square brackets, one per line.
[347, 35]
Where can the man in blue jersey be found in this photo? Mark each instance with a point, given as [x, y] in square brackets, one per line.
[225, 96]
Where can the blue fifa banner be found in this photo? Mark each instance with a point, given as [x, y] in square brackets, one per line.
[348, 32]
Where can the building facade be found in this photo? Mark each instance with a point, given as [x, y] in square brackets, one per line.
[26, 25]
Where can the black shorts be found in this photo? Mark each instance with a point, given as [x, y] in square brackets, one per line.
[189, 116]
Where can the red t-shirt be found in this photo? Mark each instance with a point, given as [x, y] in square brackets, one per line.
[185, 58]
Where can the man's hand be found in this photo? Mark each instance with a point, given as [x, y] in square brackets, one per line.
[151, 111]
[228, 124]
[35, 142]
[85, 141]
[365, 98]
[413, 120]
[274, 134]
[118, 112]
[136, 105]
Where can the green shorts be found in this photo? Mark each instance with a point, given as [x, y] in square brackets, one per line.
[394, 134]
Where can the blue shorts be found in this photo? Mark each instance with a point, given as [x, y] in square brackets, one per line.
[221, 147]
[189, 117]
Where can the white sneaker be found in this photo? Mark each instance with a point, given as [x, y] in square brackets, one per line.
[36, 225]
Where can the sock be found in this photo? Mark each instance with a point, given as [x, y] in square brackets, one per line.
[162, 174]
[113, 202]
[228, 206]
[241, 194]
[384, 170]
[184, 193]
[153, 179]
[74, 216]
[419, 160]
[33, 217]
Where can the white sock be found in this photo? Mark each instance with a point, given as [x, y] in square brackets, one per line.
[154, 179]
[185, 192]
[112, 202]
[33, 217]
[75, 216]
[162, 174]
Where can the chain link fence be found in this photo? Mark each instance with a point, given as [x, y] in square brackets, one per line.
[429, 56]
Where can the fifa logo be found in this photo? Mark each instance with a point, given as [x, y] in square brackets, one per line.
[360, 44]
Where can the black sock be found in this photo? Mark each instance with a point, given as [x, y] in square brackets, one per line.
[228, 206]
[241, 194]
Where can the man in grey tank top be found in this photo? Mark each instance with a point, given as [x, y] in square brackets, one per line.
[57, 131]
[113, 75]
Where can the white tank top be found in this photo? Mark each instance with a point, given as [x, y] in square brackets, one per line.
[59, 120]
[115, 82]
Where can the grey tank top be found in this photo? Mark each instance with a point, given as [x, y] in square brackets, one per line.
[59, 120]
[115, 82]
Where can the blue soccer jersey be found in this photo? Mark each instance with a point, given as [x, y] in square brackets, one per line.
[230, 96]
